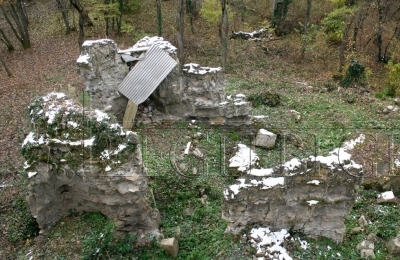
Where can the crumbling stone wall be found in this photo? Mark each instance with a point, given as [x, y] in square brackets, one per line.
[77, 160]
[197, 92]
[103, 69]
[312, 196]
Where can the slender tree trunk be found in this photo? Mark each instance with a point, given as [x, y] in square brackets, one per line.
[305, 30]
[62, 6]
[358, 25]
[6, 41]
[378, 34]
[159, 18]
[107, 19]
[21, 22]
[223, 32]
[180, 25]
[308, 14]
[397, 31]
[5, 67]
[190, 11]
[23, 17]
[83, 20]
[344, 43]
[119, 19]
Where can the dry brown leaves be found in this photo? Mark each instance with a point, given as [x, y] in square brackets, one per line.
[49, 65]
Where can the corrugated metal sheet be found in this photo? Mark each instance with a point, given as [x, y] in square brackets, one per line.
[147, 74]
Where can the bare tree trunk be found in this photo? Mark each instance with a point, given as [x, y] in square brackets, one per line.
[119, 18]
[21, 22]
[378, 34]
[223, 32]
[305, 30]
[279, 17]
[107, 19]
[83, 20]
[180, 32]
[5, 67]
[308, 14]
[397, 31]
[344, 43]
[20, 14]
[62, 6]
[6, 41]
[190, 11]
[159, 18]
[358, 25]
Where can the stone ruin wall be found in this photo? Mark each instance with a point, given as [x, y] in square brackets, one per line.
[312, 196]
[197, 92]
[69, 174]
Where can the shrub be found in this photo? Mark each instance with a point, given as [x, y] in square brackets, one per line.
[355, 74]
[334, 24]
[265, 98]
[392, 78]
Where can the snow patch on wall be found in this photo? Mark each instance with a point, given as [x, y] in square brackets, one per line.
[194, 68]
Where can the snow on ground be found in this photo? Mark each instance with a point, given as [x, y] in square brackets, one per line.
[264, 240]
[243, 159]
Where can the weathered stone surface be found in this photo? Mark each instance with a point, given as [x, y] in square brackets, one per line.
[393, 246]
[103, 69]
[362, 221]
[366, 244]
[196, 92]
[312, 196]
[265, 139]
[386, 198]
[86, 176]
[356, 230]
[171, 246]
[366, 248]
[367, 253]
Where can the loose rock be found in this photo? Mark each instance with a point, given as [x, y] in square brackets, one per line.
[171, 246]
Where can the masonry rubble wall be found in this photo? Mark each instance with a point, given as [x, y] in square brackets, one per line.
[312, 196]
[197, 92]
[71, 168]
[103, 70]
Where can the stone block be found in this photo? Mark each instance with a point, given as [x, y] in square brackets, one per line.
[386, 198]
[171, 246]
[265, 139]
[393, 246]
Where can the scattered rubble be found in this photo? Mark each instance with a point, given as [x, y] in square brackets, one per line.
[171, 246]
